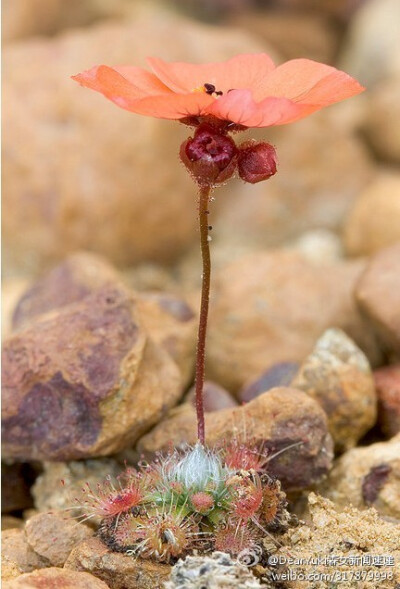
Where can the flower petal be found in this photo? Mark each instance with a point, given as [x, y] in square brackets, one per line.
[333, 88]
[142, 79]
[304, 80]
[239, 107]
[168, 106]
[116, 85]
[243, 71]
[125, 82]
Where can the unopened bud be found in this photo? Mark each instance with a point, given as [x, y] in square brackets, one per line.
[256, 161]
[210, 156]
[202, 502]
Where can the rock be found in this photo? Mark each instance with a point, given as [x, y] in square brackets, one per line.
[94, 176]
[279, 375]
[382, 119]
[151, 277]
[271, 307]
[341, 9]
[69, 282]
[53, 536]
[26, 18]
[16, 550]
[57, 578]
[292, 33]
[9, 569]
[9, 522]
[372, 49]
[84, 381]
[281, 419]
[23, 18]
[374, 221]
[211, 572]
[224, 251]
[387, 383]
[366, 477]
[362, 547]
[11, 291]
[338, 376]
[15, 493]
[55, 489]
[172, 324]
[377, 294]
[314, 188]
[215, 397]
[320, 246]
[168, 318]
[28, 513]
[117, 570]
[212, 10]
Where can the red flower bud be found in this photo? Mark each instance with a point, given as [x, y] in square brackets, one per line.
[210, 156]
[257, 161]
[202, 502]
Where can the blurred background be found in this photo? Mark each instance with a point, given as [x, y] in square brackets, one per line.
[81, 174]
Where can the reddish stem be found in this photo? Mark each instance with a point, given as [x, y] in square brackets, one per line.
[204, 197]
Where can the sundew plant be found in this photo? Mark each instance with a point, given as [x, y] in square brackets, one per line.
[207, 498]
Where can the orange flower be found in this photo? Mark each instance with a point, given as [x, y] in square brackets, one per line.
[248, 90]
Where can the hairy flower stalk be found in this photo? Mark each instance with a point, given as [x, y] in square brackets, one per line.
[208, 498]
[205, 299]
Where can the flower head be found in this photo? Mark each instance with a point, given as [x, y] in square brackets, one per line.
[196, 470]
[247, 90]
[256, 161]
[210, 156]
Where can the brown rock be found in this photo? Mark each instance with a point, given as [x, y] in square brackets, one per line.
[55, 578]
[374, 221]
[172, 324]
[69, 282]
[345, 536]
[271, 307]
[28, 513]
[15, 484]
[29, 17]
[335, 8]
[9, 522]
[100, 178]
[315, 186]
[368, 476]
[382, 120]
[338, 376]
[11, 291]
[279, 375]
[151, 277]
[387, 383]
[168, 318]
[9, 569]
[15, 549]
[292, 34]
[215, 397]
[371, 51]
[320, 246]
[281, 419]
[211, 10]
[53, 536]
[26, 18]
[117, 570]
[55, 489]
[84, 381]
[377, 294]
